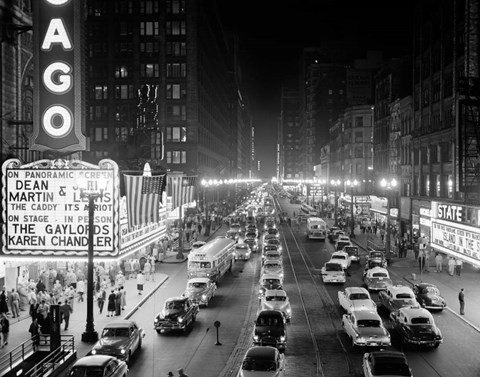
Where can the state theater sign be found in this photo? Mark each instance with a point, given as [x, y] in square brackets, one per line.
[59, 106]
[45, 216]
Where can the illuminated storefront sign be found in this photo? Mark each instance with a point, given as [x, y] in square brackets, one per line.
[59, 79]
[45, 214]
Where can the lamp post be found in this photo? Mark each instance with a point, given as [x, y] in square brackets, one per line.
[92, 190]
[335, 184]
[352, 184]
[388, 185]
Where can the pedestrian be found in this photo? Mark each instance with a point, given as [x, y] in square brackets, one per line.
[42, 313]
[458, 266]
[382, 234]
[65, 311]
[5, 325]
[181, 373]
[111, 304]
[32, 300]
[147, 268]
[15, 303]
[438, 262]
[80, 289]
[101, 296]
[3, 302]
[123, 301]
[461, 299]
[34, 333]
[118, 302]
[140, 282]
[421, 261]
[451, 266]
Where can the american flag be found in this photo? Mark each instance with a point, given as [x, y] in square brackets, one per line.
[144, 195]
[182, 189]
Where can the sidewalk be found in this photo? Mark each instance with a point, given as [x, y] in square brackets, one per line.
[449, 286]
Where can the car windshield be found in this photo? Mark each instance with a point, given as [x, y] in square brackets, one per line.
[338, 257]
[269, 321]
[420, 321]
[333, 267]
[376, 254]
[86, 372]
[194, 265]
[403, 296]
[271, 282]
[431, 290]
[197, 285]
[391, 368]
[115, 332]
[368, 323]
[359, 296]
[276, 298]
[260, 365]
[174, 305]
[379, 275]
[271, 247]
[351, 250]
[273, 242]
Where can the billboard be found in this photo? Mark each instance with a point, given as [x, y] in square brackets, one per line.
[59, 84]
[45, 214]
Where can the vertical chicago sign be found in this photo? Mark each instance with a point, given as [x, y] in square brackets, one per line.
[59, 114]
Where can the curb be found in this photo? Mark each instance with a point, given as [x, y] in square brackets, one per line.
[147, 296]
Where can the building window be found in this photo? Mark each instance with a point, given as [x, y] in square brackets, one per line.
[157, 145]
[176, 70]
[176, 28]
[98, 113]
[149, 47]
[149, 28]
[101, 133]
[176, 49]
[121, 134]
[177, 112]
[175, 91]
[427, 185]
[125, 28]
[175, 6]
[358, 136]
[148, 7]
[176, 157]
[438, 186]
[450, 186]
[149, 70]
[124, 92]
[121, 72]
[101, 92]
[177, 134]
[358, 121]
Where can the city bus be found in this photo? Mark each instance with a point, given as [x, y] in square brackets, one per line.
[212, 260]
[316, 228]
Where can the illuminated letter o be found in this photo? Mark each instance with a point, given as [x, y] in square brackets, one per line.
[52, 112]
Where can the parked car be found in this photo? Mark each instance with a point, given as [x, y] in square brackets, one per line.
[365, 328]
[355, 299]
[378, 256]
[99, 366]
[333, 273]
[332, 231]
[252, 243]
[200, 290]
[269, 282]
[178, 314]
[377, 279]
[119, 338]
[272, 267]
[416, 326]
[396, 297]
[274, 242]
[386, 364]
[337, 234]
[242, 251]
[352, 252]
[232, 234]
[271, 255]
[262, 361]
[273, 232]
[277, 299]
[341, 258]
[341, 244]
[428, 296]
[270, 330]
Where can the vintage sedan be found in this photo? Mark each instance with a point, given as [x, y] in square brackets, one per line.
[276, 299]
[262, 361]
[396, 297]
[352, 252]
[333, 273]
[273, 267]
[274, 242]
[119, 338]
[428, 296]
[200, 290]
[271, 255]
[233, 234]
[356, 298]
[332, 231]
[377, 255]
[178, 314]
[273, 232]
[341, 258]
[99, 366]
[377, 279]
[242, 251]
[268, 282]
[252, 243]
[386, 364]
[365, 328]
[416, 326]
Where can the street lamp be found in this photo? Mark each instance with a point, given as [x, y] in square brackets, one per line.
[92, 190]
[389, 185]
[352, 184]
[335, 184]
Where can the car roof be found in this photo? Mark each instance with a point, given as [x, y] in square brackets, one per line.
[272, 261]
[377, 269]
[177, 298]
[275, 292]
[350, 290]
[396, 289]
[198, 280]
[118, 323]
[94, 360]
[426, 285]
[366, 314]
[270, 276]
[417, 312]
[269, 312]
[388, 356]
[342, 253]
[262, 352]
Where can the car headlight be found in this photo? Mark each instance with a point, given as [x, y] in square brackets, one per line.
[282, 338]
[289, 310]
[360, 339]
[260, 291]
[180, 319]
[122, 351]
[94, 352]
[255, 337]
[204, 297]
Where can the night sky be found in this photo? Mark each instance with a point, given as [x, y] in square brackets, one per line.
[272, 34]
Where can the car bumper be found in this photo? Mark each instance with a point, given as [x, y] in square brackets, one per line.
[373, 343]
[242, 257]
[282, 346]
[168, 327]
[427, 343]
[333, 280]
[434, 307]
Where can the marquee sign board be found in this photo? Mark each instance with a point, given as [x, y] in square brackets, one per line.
[44, 214]
[59, 109]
